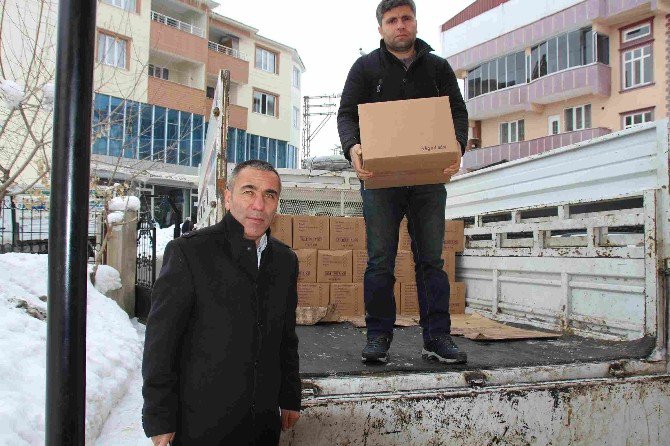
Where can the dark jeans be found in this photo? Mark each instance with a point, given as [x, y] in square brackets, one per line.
[383, 210]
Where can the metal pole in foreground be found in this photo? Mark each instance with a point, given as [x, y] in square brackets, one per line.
[71, 155]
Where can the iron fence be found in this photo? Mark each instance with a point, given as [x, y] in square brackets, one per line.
[24, 226]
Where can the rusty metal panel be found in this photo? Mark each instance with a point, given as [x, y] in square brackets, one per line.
[594, 412]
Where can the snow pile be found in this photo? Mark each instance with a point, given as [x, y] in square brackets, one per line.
[12, 93]
[163, 237]
[107, 279]
[113, 352]
[124, 204]
[115, 217]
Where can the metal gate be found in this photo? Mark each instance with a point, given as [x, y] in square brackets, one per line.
[146, 265]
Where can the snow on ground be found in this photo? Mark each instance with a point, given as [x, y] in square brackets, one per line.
[124, 425]
[113, 353]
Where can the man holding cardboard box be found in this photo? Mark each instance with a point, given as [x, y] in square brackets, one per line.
[404, 70]
[221, 353]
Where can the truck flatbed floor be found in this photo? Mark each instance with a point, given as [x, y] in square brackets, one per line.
[335, 350]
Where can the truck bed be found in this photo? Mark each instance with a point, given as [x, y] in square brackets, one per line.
[328, 350]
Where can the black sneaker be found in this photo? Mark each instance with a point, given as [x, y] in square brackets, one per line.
[443, 349]
[376, 349]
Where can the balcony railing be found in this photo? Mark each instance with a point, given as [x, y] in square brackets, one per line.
[229, 51]
[487, 156]
[177, 24]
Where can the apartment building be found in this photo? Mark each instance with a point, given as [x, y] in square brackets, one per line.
[539, 75]
[157, 63]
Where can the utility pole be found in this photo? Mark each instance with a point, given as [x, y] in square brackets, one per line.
[67, 282]
[324, 106]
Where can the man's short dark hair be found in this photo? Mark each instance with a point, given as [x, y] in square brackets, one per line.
[251, 164]
[387, 5]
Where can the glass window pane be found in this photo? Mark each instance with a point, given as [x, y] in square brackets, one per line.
[281, 154]
[521, 130]
[253, 147]
[504, 133]
[132, 129]
[502, 72]
[272, 152]
[520, 67]
[648, 117]
[159, 133]
[485, 77]
[478, 81]
[270, 105]
[172, 136]
[471, 84]
[579, 118]
[146, 127]
[603, 49]
[569, 122]
[493, 75]
[198, 140]
[543, 59]
[185, 139]
[511, 70]
[587, 116]
[263, 148]
[534, 62]
[552, 56]
[648, 69]
[575, 49]
[116, 126]
[259, 58]
[562, 42]
[512, 132]
[121, 53]
[587, 46]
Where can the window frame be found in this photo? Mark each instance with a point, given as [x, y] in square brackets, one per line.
[295, 78]
[296, 117]
[631, 50]
[635, 27]
[101, 54]
[519, 126]
[643, 112]
[135, 10]
[571, 124]
[265, 94]
[152, 69]
[261, 66]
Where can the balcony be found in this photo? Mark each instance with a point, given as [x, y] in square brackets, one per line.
[593, 79]
[176, 96]
[480, 158]
[221, 57]
[172, 36]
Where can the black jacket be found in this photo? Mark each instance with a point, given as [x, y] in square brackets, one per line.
[221, 352]
[380, 76]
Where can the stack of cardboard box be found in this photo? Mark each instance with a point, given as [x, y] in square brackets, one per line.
[332, 255]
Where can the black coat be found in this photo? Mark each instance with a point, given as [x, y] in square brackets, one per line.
[221, 352]
[380, 76]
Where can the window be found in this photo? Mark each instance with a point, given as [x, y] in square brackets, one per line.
[512, 131]
[636, 32]
[210, 92]
[112, 50]
[159, 72]
[266, 60]
[554, 125]
[264, 103]
[296, 118]
[128, 5]
[635, 118]
[578, 118]
[296, 77]
[637, 67]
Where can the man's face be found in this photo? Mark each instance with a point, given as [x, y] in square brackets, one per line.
[398, 28]
[253, 200]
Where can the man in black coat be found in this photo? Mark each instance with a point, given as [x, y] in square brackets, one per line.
[402, 68]
[221, 353]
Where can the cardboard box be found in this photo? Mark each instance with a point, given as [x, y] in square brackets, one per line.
[307, 260]
[360, 262]
[404, 240]
[334, 266]
[347, 298]
[454, 239]
[313, 294]
[409, 301]
[347, 233]
[409, 305]
[310, 232]
[404, 267]
[457, 298]
[396, 295]
[407, 143]
[449, 267]
[281, 228]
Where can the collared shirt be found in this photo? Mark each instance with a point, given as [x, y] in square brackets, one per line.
[262, 244]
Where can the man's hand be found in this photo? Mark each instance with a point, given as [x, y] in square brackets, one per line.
[288, 418]
[356, 153]
[453, 169]
[163, 439]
